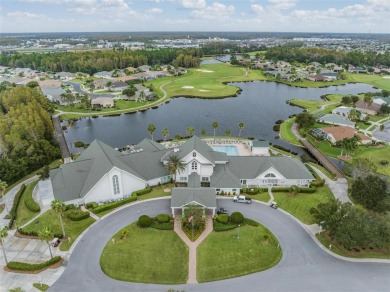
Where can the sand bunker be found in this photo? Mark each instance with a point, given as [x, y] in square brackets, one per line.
[386, 77]
[204, 90]
[205, 71]
[187, 87]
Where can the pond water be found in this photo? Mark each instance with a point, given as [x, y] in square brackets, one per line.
[259, 106]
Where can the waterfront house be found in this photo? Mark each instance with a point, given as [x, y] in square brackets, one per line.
[336, 134]
[371, 109]
[103, 102]
[334, 119]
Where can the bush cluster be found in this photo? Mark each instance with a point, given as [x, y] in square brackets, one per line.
[223, 218]
[162, 218]
[77, 215]
[113, 205]
[301, 190]
[70, 207]
[254, 191]
[31, 205]
[317, 183]
[91, 205]
[223, 227]
[34, 233]
[20, 266]
[237, 218]
[163, 226]
[15, 206]
[145, 221]
[276, 128]
[147, 190]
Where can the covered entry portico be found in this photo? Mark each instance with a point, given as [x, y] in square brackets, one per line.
[183, 198]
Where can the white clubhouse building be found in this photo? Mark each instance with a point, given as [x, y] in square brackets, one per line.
[101, 173]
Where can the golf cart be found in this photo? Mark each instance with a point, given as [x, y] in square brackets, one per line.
[222, 211]
[273, 204]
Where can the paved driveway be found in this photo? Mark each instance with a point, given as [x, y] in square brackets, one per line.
[304, 266]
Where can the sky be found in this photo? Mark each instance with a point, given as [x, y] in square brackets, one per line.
[340, 16]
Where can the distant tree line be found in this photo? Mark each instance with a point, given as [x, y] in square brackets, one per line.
[26, 133]
[102, 60]
[323, 56]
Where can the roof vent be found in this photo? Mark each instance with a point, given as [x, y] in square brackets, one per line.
[175, 150]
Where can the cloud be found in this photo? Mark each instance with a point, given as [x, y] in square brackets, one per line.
[23, 14]
[193, 4]
[216, 11]
[154, 10]
[281, 4]
[257, 8]
[83, 2]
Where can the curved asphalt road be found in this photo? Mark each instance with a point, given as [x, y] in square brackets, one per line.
[304, 266]
[77, 88]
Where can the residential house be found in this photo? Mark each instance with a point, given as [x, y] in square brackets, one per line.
[103, 74]
[345, 110]
[260, 147]
[334, 119]
[101, 83]
[119, 86]
[336, 134]
[65, 75]
[143, 68]
[371, 109]
[317, 78]
[103, 102]
[357, 70]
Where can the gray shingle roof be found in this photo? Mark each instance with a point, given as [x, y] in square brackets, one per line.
[149, 145]
[336, 119]
[199, 146]
[184, 196]
[193, 180]
[224, 178]
[260, 143]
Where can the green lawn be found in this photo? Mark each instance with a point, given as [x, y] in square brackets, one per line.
[264, 197]
[299, 205]
[312, 105]
[374, 80]
[72, 228]
[23, 215]
[362, 125]
[325, 147]
[287, 134]
[157, 192]
[376, 154]
[147, 255]
[336, 248]
[2, 206]
[323, 170]
[222, 255]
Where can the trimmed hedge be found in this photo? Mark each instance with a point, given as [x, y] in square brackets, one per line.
[34, 233]
[30, 203]
[113, 205]
[91, 205]
[237, 218]
[223, 227]
[20, 266]
[254, 191]
[308, 190]
[15, 206]
[162, 218]
[223, 218]
[147, 190]
[251, 222]
[145, 221]
[162, 226]
[70, 207]
[317, 183]
[301, 190]
[77, 215]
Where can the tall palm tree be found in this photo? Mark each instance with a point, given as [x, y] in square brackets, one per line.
[3, 187]
[203, 132]
[190, 131]
[3, 236]
[46, 234]
[59, 208]
[175, 166]
[151, 129]
[241, 127]
[227, 132]
[165, 133]
[368, 99]
[215, 126]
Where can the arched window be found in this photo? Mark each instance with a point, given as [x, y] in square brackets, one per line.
[269, 175]
[194, 165]
[115, 184]
[193, 154]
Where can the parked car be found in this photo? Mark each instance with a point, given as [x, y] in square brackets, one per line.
[222, 211]
[273, 205]
[55, 242]
[242, 199]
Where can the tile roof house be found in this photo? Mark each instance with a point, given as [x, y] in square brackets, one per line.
[334, 119]
[101, 173]
[335, 134]
[103, 102]
[371, 109]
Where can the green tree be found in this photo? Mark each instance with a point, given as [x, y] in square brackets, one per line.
[354, 114]
[151, 129]
[59, 209]
[175, 166]
[45, 173]
[354, 98]
[32, 84]
[215, 127]
[227, 132]
[362, 167]
[305, 120]
[203, 132]
[346, 99]
[165, 133]
[3, 187]
[241, 126]
[46, 234]
[3, 236]
[371, 191]
[124, 233]
[190, 131]
[368, 99]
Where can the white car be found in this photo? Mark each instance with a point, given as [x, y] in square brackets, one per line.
[242, 199]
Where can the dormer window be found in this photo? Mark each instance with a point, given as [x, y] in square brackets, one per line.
[193, 154]
[270, 175]
[194, 165]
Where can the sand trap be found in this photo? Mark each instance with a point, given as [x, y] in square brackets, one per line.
[205, 71]
[386, 77]
[187, 87]
[204, 90]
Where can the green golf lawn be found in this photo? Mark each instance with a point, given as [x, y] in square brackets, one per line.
[222, 255]
[299, 205]
[147, 255]
[23, 214]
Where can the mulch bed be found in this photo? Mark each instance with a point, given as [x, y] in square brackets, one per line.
[53, 266]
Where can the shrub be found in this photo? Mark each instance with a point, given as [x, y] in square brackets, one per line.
[79, 144]
[146, 190]
[223, 218]
[91, 205]
[237, 218]
[77, 215]
[70, 207]
[251, 222]
[28, 233]
[162, 218]
[19, 266]
[317, 183]
[113, 205]
[282, 148]
[276, 128]
[30, 204]
[15, 205]
[144, 221]
[223, 227]
[278, 122]
[307, 190]
[163, 226]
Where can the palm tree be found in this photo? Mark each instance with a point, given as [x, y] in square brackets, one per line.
[165, 133]
[46, 234]
[174, 166]
[368, 99]
[241, 127]
[3, 236]
[3, 187]
[203, 132]
[151, 129]
[124, 233]
[227, 132]
[59, 208]
[190, 131]
[215, 126]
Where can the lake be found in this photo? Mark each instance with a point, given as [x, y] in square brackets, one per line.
[259, 106]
